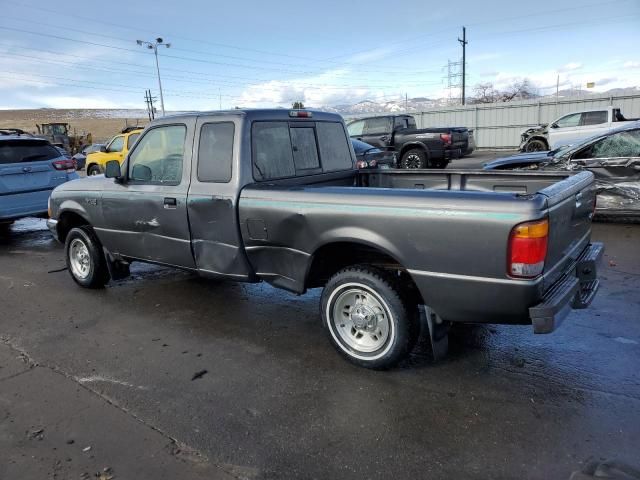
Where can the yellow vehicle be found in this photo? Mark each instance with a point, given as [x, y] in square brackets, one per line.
[116, 149]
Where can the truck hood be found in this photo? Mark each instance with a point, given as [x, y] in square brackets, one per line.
[532, 157]
[542, 128]
[86, 184]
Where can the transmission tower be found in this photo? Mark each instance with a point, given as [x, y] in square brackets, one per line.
[454, 81]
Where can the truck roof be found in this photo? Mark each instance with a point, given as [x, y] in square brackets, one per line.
[257, 114]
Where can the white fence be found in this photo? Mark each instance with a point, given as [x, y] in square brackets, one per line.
[498, 125]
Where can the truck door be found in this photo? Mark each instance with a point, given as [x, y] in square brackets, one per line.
[213, 196]
[147, 215]
[377, 131]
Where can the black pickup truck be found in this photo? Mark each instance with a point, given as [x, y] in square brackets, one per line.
[415, 147]
[274, 196]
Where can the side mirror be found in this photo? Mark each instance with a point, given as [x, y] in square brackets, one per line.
[141, 173]
[112, 169]
[554, 125]
[103, 149]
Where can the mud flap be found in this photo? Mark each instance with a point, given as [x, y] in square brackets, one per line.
[438, 334]
[117, 269]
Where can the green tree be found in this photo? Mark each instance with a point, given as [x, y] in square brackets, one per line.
[297, 105]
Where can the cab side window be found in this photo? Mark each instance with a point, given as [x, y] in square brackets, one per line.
[594, 118]
[572, 120]
[215, 152]
[116, 144]
[356, 128]
[158, 156]
[131, 140]
[376, 126]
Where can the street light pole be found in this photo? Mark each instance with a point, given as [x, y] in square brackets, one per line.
[154, 46]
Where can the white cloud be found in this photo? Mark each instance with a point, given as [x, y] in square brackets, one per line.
[631, 64]
[569, 67]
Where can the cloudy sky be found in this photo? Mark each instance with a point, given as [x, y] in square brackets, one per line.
[251, 53]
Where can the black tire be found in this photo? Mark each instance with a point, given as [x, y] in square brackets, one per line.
[414, 158]
[536, 145]
[400, 317]
[97, 272]
[93, 170]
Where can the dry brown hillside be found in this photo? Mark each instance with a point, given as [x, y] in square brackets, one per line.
[102, 124]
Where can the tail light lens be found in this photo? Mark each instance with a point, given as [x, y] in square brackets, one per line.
[68, 164]
[361, 164]
[528, 249]
[446, 138]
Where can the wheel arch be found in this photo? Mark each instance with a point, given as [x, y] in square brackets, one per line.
[335, 255]
[69, 219]
[417, 145]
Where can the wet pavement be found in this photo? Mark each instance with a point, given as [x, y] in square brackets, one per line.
[272, 399]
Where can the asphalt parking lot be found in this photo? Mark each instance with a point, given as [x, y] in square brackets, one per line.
[165, 375]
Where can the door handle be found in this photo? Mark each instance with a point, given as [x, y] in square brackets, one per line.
[170, 203]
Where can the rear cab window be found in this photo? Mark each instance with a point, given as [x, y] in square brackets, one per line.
[24, 151]
[282, 149]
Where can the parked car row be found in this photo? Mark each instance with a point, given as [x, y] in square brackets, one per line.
[613, 157]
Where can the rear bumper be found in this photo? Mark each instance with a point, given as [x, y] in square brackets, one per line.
[575, 290]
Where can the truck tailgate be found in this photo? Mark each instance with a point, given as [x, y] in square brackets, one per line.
[570, 206]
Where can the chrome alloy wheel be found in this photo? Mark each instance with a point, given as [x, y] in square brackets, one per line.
[79, 258]
[360, 321]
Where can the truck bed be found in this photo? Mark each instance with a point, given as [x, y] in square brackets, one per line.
[448, 229]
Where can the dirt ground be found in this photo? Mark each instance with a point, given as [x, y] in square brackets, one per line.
[102, 124]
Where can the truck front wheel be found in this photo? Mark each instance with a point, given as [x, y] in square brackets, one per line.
[536, 145]
[414, 158]
[368, 320]
[85, 259]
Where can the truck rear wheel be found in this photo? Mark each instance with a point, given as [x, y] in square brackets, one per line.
[414, 158]
[368, 320]
[85, 259]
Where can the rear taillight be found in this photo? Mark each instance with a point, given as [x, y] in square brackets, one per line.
[446, 138]
[68, 164]
[361, 164]
[528, 249]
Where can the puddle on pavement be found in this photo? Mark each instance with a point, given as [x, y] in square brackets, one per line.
[26, 233]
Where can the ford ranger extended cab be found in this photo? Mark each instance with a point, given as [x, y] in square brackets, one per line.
[274, 195]
[431, 147]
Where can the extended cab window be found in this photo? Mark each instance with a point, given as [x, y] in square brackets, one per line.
[377, 125]
[116, 144]
[403, 122]
[594, 118]
[215, 152]
[158, 156]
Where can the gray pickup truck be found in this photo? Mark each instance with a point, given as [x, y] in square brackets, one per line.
[273, 195]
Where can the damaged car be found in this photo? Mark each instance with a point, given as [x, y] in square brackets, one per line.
[614, 159]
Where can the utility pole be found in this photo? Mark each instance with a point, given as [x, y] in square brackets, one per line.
[406, 102]
[154, 46]
[148, 99]
[220, 98]
[463, 42]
